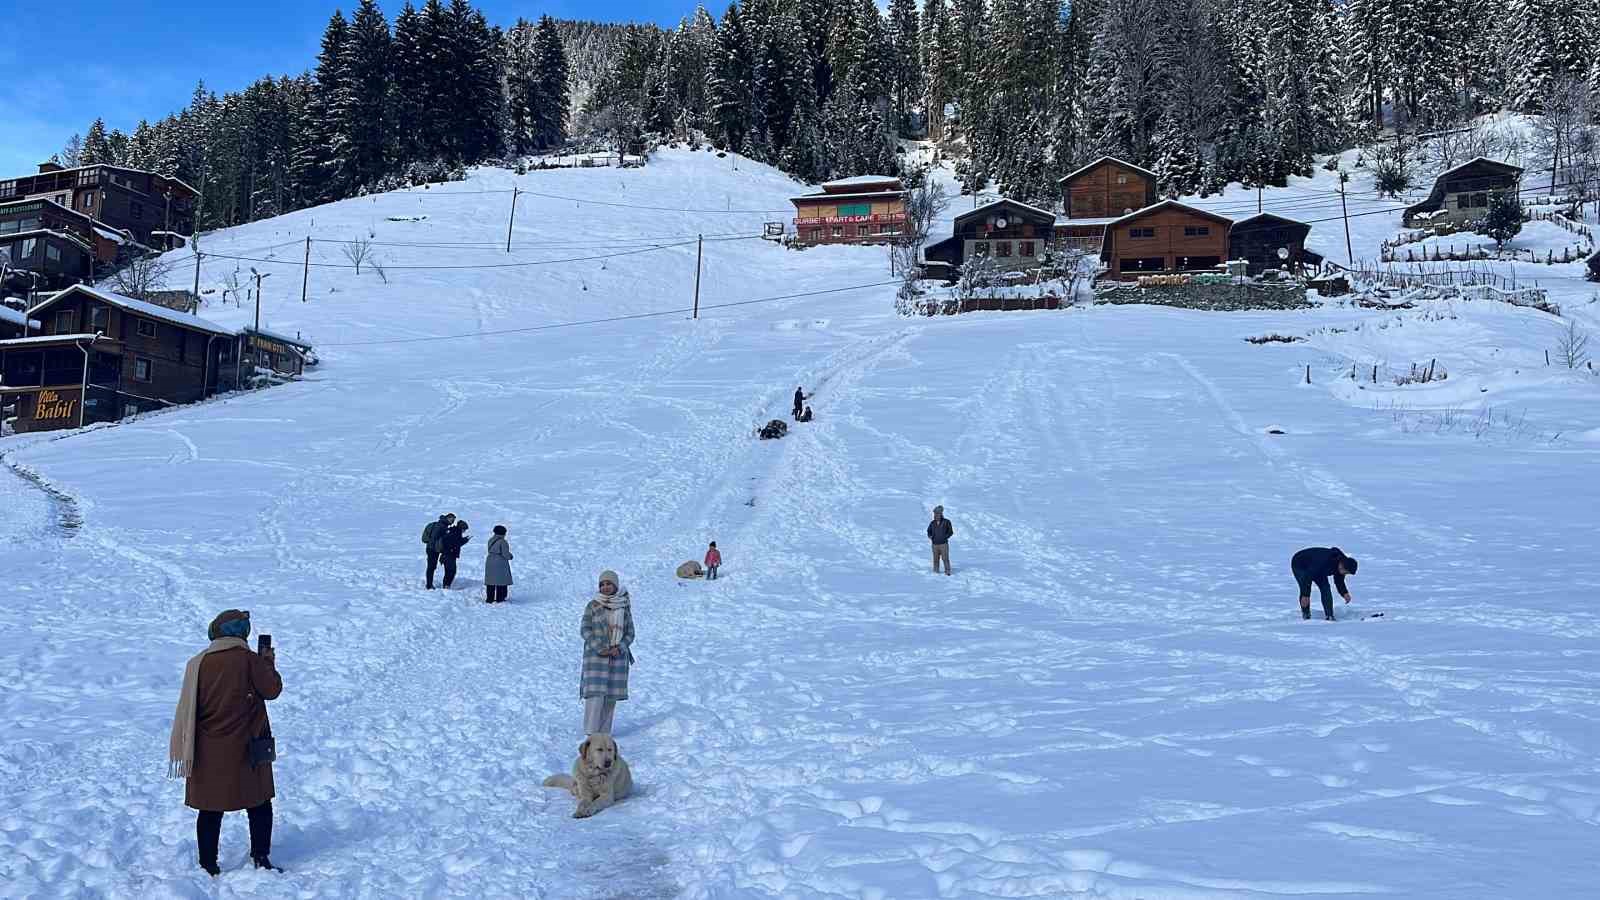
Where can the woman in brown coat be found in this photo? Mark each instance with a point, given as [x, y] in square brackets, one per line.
[222, 708]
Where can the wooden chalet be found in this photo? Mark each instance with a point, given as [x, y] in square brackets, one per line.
[59, 245]
[1166, 237]
[270, 354]
[140, 203]
[1015, 235]
[866, 209]
[15, 323]
[1098, 194]
[102, 356]
[1465, 193]
[1267, 241]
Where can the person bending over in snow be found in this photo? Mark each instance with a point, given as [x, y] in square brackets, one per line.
[805, 415]
[1317, 564]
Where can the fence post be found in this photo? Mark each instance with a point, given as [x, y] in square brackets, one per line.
[1308, 374]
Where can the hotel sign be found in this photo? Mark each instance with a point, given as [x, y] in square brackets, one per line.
[54, 406]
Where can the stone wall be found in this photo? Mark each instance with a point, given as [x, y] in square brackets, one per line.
[1214, 297]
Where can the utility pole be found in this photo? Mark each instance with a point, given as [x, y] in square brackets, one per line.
[1258, 195]
[259, 276]
[513, 220]
[305, 272]
[699, 252]
[197, 272]
[1345, 210]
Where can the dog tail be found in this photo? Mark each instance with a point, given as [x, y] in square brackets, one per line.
[560, 781]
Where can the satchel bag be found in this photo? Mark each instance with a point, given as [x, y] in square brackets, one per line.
[263, 749]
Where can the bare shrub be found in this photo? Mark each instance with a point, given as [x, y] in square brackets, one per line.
[1573, 347]
[358, 251]
[141, 276]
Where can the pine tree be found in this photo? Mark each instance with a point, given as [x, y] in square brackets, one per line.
[409, 84]
[904, 40]
[938, 66]
[321, 157]
[96, 145]
[363, 107]
[730, 84]
[550, 61]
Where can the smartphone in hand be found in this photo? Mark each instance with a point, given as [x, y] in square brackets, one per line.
[264, 643]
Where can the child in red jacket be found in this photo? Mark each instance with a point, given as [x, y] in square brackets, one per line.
[713, 559]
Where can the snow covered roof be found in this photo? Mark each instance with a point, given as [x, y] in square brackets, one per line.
[822, 197]
[859, 180]
[1087, 220]
[50, 339]
[1171, 204]
[112, 234]
[1004, 202]
[299, 343]
[50, 232]
[1105, 159]
[1480, 160]
[1267, 215]
[150, 310]
[7, 314]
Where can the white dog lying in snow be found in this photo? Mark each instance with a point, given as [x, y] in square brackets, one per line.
[599, 778]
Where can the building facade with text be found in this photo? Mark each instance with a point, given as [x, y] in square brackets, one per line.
[869, 209]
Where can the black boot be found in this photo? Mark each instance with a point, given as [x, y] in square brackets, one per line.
[1305, 613]
[263, 862]
[211, 868]
[1327, 610]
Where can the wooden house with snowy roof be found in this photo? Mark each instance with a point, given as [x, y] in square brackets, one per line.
[1465, 192]
[866, 209]
[1013, 234]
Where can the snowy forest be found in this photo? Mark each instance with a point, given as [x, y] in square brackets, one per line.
[1015, 92]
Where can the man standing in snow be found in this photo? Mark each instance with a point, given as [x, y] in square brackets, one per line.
[450, 544]
[940, 531]
[432, 539]
[1317, 564]
[799, 402]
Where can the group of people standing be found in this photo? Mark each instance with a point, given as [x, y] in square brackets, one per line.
[443, 540]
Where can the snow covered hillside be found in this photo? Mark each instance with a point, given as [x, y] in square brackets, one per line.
[1113, 696]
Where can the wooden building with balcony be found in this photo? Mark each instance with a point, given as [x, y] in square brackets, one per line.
[868, 209]
[1465, 193]
[59, 245]
[1267, 241]
[1015, 235]
[102, 356]
[1098, 194]
[146, 205]
[1167, 237]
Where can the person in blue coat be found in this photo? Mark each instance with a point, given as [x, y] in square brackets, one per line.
[1317, 565]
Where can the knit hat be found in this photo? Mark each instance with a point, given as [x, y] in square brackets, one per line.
[450, 516]
[611, 576]
[938, 510]
[1350, 565]
[500, 529]
[461, 524]
[230, 623]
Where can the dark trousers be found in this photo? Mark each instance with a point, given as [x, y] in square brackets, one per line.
[495, 593]
[711, 573]
[1304, 580]
[449, 570]
[208, 830]
[433, 563]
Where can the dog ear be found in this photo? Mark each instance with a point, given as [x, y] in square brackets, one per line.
[583, 749]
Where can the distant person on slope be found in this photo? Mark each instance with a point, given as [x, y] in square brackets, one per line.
[497, 567]
[805, 416]
[450, 544]
[607, 653]
[221, 710]
[432, 540]
[713, 560]
[799, 402]
[939, 532]
[1317, 564]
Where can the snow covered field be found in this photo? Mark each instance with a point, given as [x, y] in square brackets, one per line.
[1114, 696]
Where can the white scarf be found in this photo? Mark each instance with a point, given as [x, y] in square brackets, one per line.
[180, 747]
[616, 607]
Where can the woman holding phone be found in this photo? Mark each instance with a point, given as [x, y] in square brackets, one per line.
[221, 739]
[607, 653]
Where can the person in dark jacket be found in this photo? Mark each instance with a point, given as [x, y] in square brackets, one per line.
[432, 540]
[799, 402]
[450, 544]
[939, 532]
[221, 710]
[805, 415]
[1317, 564]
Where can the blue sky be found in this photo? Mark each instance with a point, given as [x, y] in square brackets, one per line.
[127, 61]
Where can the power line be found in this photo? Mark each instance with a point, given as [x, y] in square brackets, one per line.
[609, 319]
[512, 265]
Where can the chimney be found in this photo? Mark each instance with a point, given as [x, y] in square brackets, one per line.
[49, 165]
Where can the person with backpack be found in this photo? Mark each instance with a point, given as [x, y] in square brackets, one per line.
[713, 560]
[450, 544]
[1316, 565]
[433, 540]
[939, 532]
[497, 567]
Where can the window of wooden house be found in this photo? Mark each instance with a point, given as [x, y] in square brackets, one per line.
[97, 318]
[88, 201]
[1002, 249]
[61, 200]
[1141, 232]
[147, 328]
[980, 248]
[863, 230]
[87, 177]
[1196, 230]
[8, 188]
[838, 231]
[816, 234]
[1122, 179]
[1026, 249]
[24, 249]
[1198, 263]
[1144, 264]
[141, 369]
[52, 253]
[1480, 201]
[65, 320]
